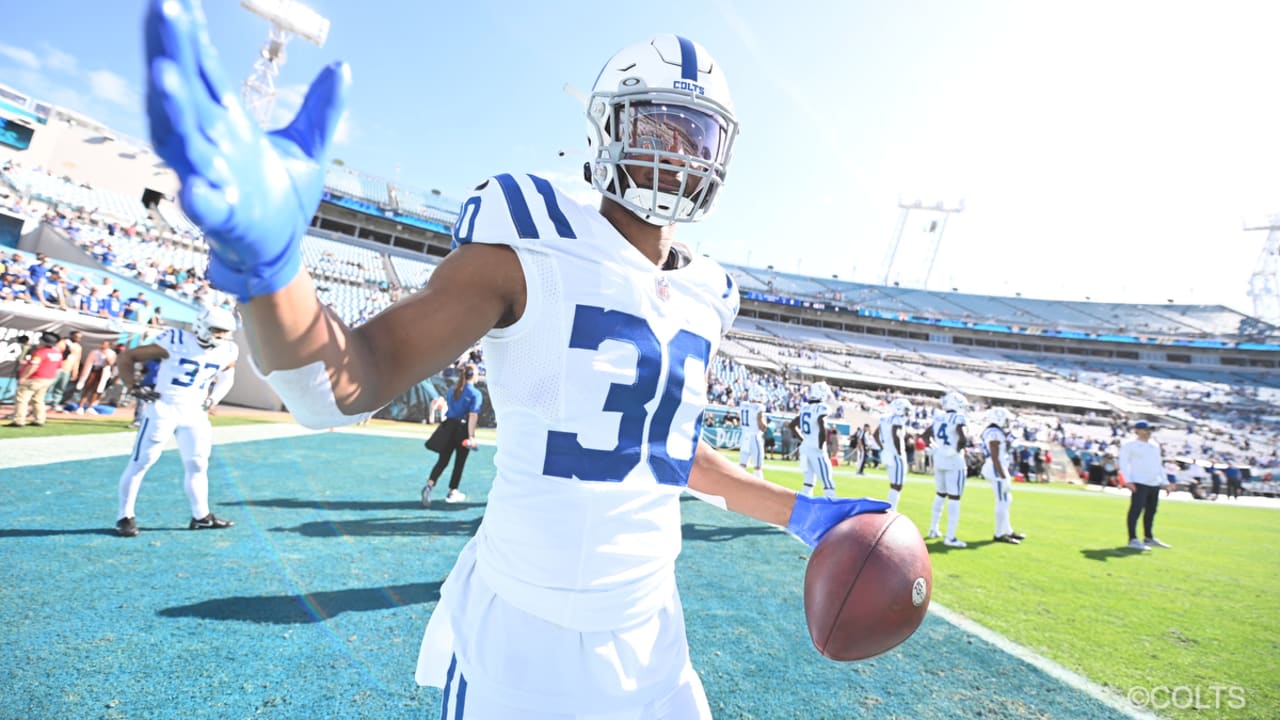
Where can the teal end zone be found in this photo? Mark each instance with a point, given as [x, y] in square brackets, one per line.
[313, 606]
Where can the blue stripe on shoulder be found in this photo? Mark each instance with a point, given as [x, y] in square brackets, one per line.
[548, 193]
[519, 209]
[688, 59]
[728, 285]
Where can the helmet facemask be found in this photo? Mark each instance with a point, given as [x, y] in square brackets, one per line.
[661, 155]
[660, 130]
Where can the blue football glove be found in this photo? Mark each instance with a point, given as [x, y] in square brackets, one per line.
[253, 193]
[813, 517]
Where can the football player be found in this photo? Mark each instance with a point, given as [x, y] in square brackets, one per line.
[947, 442]
[811, 427]
[751, 416]
[196, 371]
[598, 330]
[997, 469]
[893, 453]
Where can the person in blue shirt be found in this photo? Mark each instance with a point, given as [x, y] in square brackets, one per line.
[456, 434]
[114, 305]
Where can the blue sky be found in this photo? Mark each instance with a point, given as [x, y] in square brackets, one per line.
[1103, 149]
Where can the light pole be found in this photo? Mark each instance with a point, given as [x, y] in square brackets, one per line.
[937, 227]
[287, 18]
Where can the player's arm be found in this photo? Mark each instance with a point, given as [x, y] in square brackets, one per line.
[993, 449]
[761, 424]
[794, 426]
[962, 442]
[716, 479]
[139, 354]
[222, 383]
[822, 431]
[476, 288]
[899, 440]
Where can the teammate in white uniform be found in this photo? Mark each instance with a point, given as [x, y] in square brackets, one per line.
[598, 332]
[811, 426]
[751, 416]
[947, 442]
[998, 470]
[893, 451]
[196, 372]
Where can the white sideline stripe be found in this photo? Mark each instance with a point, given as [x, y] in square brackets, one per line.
[1078, 682]
[24, 452]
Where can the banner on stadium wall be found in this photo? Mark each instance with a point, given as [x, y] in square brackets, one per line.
[722, 437]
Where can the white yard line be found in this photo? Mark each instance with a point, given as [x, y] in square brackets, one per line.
[1078, 682]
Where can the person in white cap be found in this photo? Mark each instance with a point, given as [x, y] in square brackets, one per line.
[1142, 466]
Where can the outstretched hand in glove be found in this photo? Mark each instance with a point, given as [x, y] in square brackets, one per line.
[252, 192]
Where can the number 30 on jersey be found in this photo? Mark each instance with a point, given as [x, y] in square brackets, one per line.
[565, 455]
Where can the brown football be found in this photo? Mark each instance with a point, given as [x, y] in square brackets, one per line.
[867, 586]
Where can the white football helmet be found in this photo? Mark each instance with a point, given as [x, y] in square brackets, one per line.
[660, 130]
[954, 402]
[901, 406]
[819, 391]
[756, 394]
[999, 417]
[213, 319]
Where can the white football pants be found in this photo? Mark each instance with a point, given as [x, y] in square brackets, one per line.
[160, 422]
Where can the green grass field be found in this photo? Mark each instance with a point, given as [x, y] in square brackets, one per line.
[1179, 622]
[1188, 622]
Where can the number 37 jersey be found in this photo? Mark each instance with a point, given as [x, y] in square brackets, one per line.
[599, 390]
[185, 377]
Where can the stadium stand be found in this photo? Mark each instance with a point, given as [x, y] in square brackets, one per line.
[1075, 372]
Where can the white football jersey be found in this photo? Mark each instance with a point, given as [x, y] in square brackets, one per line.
[887, 423]
[997, 435]
[185, 377]
[809, 414]
[946, 436]
[749, 416]
[599, 390]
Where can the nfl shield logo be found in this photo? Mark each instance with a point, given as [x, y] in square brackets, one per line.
[664, 288]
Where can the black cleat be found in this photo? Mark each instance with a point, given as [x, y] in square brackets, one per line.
[209, 522]
[127, 527]
[1017, 536]
[1008, 539]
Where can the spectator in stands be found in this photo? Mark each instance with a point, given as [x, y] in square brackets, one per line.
[94, 303]
[1142, 467]
[69, 372]
[157, 318]
[35, 376]
[133, 305]
[114, 304]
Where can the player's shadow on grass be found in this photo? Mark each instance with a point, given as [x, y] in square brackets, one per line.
[724, 533]
[385, 527]
[356, 505]
[42, 532]
[1111, 553]
[310, 608]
